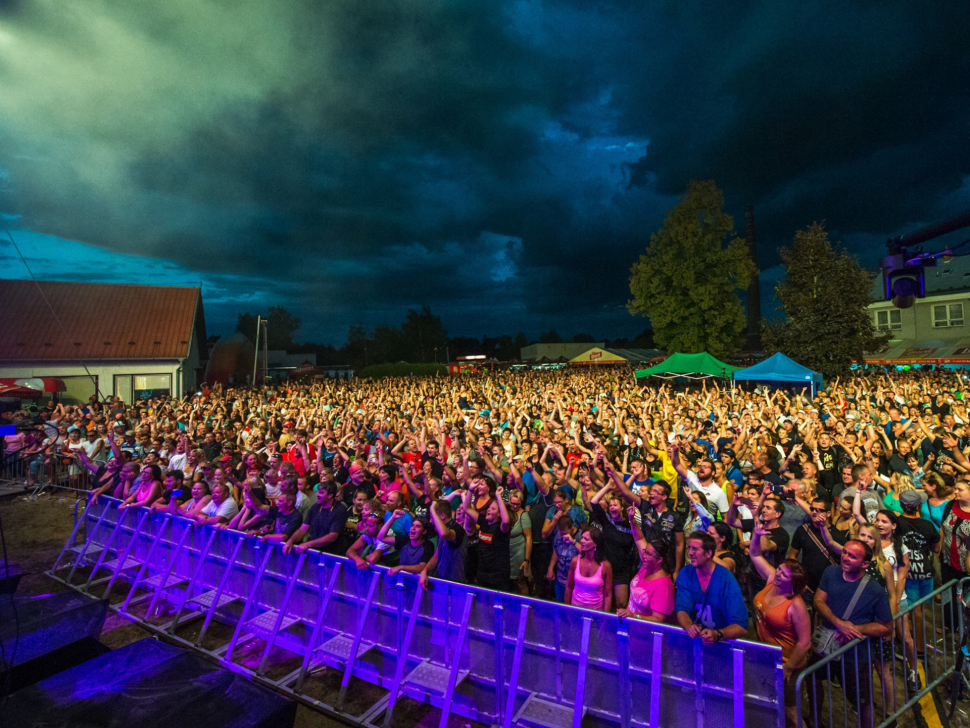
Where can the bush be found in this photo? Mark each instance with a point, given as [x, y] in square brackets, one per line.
[402, 369]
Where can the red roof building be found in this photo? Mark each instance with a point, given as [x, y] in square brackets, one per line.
[130, 341]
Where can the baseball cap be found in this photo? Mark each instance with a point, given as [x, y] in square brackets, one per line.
[130, 433]
[910, 499]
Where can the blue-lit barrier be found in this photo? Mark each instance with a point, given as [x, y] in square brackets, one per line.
[493, 657]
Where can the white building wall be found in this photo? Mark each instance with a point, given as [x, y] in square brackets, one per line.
[106, 372]
[917, 321]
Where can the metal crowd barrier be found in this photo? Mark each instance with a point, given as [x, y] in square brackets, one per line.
[39, 471]
[497, 658]
[871, 676]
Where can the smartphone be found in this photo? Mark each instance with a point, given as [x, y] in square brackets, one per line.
[177, 493]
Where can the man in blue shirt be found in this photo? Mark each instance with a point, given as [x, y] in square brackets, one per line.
[870, 617]
[709, 601]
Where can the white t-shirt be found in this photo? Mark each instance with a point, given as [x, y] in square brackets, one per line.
[714, 494]
[177, 461]
[889, 553]
[227, 510]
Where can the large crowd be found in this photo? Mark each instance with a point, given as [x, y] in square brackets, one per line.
[804, 521]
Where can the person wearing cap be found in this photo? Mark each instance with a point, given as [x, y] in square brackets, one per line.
[288, 435]
[131, 446]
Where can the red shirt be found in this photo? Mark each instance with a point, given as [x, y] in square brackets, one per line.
[293, 456]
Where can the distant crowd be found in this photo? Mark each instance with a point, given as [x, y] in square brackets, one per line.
[727, 511]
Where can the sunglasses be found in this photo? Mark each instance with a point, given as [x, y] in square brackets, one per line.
[817, 510]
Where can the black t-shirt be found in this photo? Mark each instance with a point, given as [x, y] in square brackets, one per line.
[413, 555]
[772, 477]
[664, 525]
[341, 475]
[813, 558]
[351, 530]
[421, 506]
[537, 514]
[285, 524]
[617, 541]
[828, 461]
[494, 554]
[323, 521]
[350, 490]
[921, 537]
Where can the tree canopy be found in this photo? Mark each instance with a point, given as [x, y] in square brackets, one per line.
[688, 279]
[824, 294]
[280, 328]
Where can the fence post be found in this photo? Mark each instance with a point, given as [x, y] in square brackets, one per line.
[623, 665]
[355, 645]
[148, 559]
[281, 613]
[123, 556]
[402, 658]
[318, 625]
[499, 630]
[249, 601]
[171, 567]
[656, 669]
[516, 665]
[456, 662]
[200, 567]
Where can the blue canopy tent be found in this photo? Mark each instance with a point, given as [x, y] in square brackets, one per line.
[779, 368]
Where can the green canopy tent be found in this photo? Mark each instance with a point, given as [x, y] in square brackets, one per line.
[689, 366]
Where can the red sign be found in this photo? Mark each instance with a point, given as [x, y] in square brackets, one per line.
[595, 355]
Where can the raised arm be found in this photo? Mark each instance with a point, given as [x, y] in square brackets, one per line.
[766, 570]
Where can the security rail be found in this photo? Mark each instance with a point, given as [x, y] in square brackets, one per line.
[493, 657]
[875, 682]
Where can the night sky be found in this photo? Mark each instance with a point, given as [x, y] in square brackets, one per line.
[500, 162]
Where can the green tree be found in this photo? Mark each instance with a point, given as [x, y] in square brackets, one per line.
[422, 333]
[687, 281]
[825, 295]
[280, 327]
[246, 324]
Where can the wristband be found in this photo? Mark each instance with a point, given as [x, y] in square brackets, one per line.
[720, 635]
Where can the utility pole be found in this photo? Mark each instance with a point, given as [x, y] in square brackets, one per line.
[256, 353]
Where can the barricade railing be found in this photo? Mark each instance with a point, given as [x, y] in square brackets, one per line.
[494, 657]
[876, 681]
[36, 471]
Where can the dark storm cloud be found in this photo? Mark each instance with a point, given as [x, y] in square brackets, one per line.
[503, 163]
[851, 112]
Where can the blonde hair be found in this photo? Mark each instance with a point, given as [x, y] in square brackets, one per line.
[903, 483]
[877, 555]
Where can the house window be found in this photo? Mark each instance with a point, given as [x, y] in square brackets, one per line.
[889, 320]
[947, 314]
[132, 388]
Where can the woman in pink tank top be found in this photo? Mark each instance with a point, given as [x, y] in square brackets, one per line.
[590, 583]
